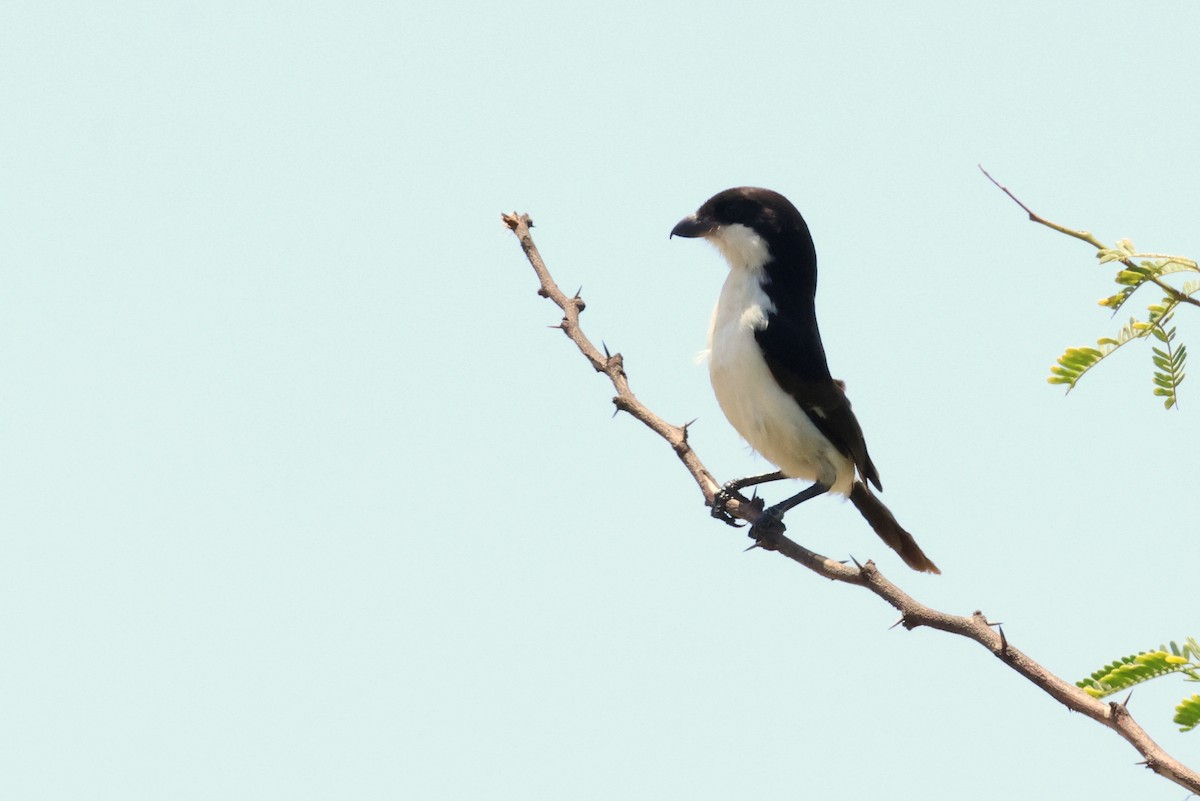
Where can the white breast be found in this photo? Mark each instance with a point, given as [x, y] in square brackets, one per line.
[766, 416]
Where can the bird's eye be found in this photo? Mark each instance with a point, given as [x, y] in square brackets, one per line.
[736, 211]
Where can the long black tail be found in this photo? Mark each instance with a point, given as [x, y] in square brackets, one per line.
[885, 525]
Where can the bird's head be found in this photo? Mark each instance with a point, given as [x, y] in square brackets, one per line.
[747, 224]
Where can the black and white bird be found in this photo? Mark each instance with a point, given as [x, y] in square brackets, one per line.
[768, 367]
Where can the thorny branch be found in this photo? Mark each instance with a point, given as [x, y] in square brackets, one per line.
[913, 613]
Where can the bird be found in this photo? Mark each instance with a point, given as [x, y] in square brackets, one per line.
[768, 367]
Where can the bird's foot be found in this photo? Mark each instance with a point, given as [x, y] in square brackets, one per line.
[767, 530]
[721, 499]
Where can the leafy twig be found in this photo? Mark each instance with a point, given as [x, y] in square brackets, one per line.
[1169, 363]
[1087, 236]
[1144, 666]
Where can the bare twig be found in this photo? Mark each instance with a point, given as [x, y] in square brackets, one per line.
[1088, 237]
[612, 366]
[913, 613]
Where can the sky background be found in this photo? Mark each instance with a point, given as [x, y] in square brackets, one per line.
[301, 498]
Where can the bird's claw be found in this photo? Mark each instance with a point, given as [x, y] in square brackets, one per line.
[767, 530]
[720, 500]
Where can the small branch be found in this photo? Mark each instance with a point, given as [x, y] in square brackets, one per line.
[913, 614]
[1174, 293]
[1062, 229]
[613, 367]
[1090, 239]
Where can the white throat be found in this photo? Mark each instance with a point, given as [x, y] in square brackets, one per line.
[741, 246]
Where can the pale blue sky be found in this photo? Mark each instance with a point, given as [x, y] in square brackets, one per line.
[302, 499]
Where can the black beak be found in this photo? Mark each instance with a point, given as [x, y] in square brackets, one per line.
[693, 226]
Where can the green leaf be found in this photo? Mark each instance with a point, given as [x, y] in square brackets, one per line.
[1135, 669]
[1074, 362]
[1116, 301]
[1187, 714]
[1169, 363]
[1178, 264]
[1134, 271]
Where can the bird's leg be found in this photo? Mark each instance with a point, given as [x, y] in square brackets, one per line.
[724, 495]
[769, 525]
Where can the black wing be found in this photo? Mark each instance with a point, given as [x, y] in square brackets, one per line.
[796, 359]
